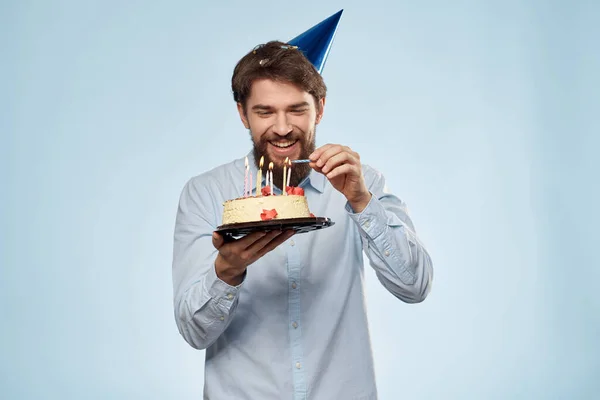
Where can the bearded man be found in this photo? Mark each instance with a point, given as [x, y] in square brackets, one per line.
[283, 317]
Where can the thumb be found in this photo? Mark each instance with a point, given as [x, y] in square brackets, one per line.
[217, 240]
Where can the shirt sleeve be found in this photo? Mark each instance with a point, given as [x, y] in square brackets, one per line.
[401, 262]
[204, 304]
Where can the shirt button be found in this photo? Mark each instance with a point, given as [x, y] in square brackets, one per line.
[298, 365]
[294, 286]
[295, 324]
[366, 224]
[222, 318]
[292, 242]
[229, 296]
[387, 253]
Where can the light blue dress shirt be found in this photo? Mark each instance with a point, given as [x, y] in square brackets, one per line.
[296, 327]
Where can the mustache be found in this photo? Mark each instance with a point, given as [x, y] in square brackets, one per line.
[295, 134]
[292, 136]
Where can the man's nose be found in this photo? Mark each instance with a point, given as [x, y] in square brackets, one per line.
[282, 126]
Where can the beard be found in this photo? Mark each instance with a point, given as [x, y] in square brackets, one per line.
[299, 171]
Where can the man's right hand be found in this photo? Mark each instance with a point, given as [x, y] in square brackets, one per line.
[235, 256]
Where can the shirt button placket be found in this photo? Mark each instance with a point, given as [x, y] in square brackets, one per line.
[295, 331]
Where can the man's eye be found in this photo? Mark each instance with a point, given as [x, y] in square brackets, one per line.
[299, 111]
[264, 112]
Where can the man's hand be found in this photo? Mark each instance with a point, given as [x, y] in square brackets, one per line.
[234, 257]
[342, 167]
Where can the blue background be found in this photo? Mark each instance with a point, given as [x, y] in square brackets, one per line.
[482, 115]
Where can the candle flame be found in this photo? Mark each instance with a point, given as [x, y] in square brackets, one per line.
[246, 162]
[262, 160]
[271, 165]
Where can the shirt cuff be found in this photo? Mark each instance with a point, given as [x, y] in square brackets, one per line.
[371, 220]
[219, 290]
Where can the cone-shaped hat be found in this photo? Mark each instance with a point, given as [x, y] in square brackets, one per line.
[316, 42]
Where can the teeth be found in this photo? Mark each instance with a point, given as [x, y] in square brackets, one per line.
[283, 144]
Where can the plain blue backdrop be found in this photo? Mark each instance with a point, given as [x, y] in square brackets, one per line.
[483, 116]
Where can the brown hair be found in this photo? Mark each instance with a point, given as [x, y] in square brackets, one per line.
[277, 61]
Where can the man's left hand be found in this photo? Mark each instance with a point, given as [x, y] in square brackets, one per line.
[342, 167]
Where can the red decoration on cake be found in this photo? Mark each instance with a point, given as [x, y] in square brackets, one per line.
[266, 191]
[312, 215]
[294, 190]
[268, 214]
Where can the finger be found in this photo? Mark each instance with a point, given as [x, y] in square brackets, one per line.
[249, 240]
[314, 166]
[317, 153]
[275, 242]
[262, 242]
[251, 254]
[217, 240]
[239, 245]
[243, 249]
[348, 169]
[337, 160]
[328, 153]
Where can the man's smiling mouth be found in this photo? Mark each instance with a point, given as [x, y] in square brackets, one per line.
[284, 144]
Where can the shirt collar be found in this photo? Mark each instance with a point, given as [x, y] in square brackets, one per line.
[314, 178]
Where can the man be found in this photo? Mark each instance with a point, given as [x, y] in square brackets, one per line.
[282, 316]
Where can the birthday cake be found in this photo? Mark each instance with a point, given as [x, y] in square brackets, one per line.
[266, 207]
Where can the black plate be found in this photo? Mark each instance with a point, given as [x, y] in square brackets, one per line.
[300, 225]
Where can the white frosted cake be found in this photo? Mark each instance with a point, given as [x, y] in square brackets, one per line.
[264, 208]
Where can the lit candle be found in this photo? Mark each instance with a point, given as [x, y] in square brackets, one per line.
[259, 177]
[285, 164]
[271, 177]
[267, 179]
[246, 178]
[289, 172]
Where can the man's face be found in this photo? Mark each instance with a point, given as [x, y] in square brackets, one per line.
[282, 120]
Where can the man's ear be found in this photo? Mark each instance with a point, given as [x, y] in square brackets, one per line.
[321, 109]
[243, 116]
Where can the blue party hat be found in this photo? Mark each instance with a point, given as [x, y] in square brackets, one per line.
[316, 42]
